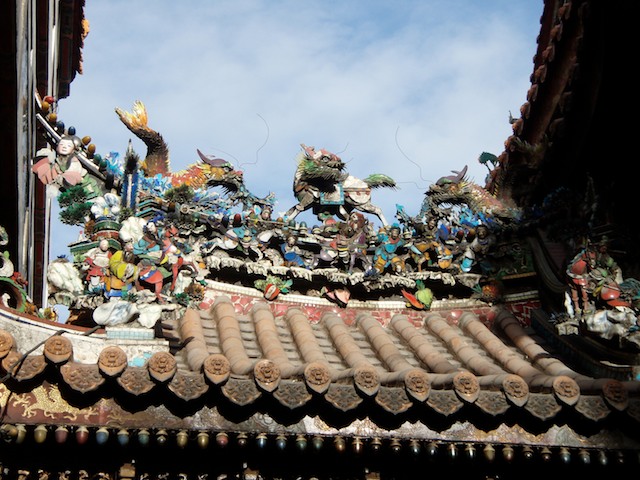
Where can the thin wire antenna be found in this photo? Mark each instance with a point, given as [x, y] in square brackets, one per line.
[415, 184]
[261, 146]
[407, 157]
[344, 149]
[346, 162]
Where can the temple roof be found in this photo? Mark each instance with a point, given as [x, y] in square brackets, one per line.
[297, 360]
[463, 370]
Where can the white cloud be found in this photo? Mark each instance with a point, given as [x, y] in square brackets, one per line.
[250, 80]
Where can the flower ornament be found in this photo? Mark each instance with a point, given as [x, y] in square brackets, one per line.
[106, 207]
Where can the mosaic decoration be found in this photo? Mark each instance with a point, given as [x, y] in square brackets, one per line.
[153, 239]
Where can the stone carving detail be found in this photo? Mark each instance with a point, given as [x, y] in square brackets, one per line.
[516, 389]
[317, 377]
[417, 384]
[267, 374]
[542, 406]
[7, 343]
[80, 377]
[136, 381]
[493, 403]
[367, 380]
[615, 394]
[566, 389]
[466, 386]
[23, 369]
[343, 397]
[292, 394]
[58, 349]
[217, 368]
[162, 366]
[393, 400]
[445, 402]
[188, 385]
[112, 361]
[241, 392]
[592, 407]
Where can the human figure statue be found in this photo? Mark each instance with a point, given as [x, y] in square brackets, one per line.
[352, 241]
[62, 168]
[386, 253]
[96, 264]
[477, 251]
[149, 245]
[291, 252]
[123, 271]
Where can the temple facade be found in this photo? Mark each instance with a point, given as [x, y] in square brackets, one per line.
[492, 334]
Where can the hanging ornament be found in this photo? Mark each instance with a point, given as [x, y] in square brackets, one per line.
[123, 437]
[182, 438]
[317, 442]
[161, 437]
[242, 440]
[40, 434]
[507, 453]
[21, 433]
[452, 450]
[261, 441]
[357, 445]
[565, 455]
[301, 443]
[82, 435]
[470, 451]
[376, 444]
[202, 439]
[489, 452]
[602, 458]
[396, 446]
[584, 456]
[281, 442]
[61, 434]
[102, 435]
[545, 453]
[143, 437]
[222, 439]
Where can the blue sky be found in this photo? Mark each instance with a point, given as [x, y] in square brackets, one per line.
[411, 89]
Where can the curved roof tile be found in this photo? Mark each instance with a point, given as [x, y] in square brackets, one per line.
[433, 364]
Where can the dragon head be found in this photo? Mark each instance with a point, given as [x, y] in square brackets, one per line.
[323, 158]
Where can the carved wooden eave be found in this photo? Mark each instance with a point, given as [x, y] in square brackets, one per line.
[74, 28]
[435, 369]
[562, 132]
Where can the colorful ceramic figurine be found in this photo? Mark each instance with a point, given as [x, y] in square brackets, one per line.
[353, 240]
[63, 167]
[387, 251]
[292, 253]
[124, 272]
[595, 280]
[97, 267]
[320, 183]
[478, 249]
[170, 221]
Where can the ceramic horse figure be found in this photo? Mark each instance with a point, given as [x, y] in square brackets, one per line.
[321, 183]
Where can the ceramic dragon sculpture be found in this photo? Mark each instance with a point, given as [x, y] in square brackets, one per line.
[211, 171]
[321, 183]
[456, 189]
